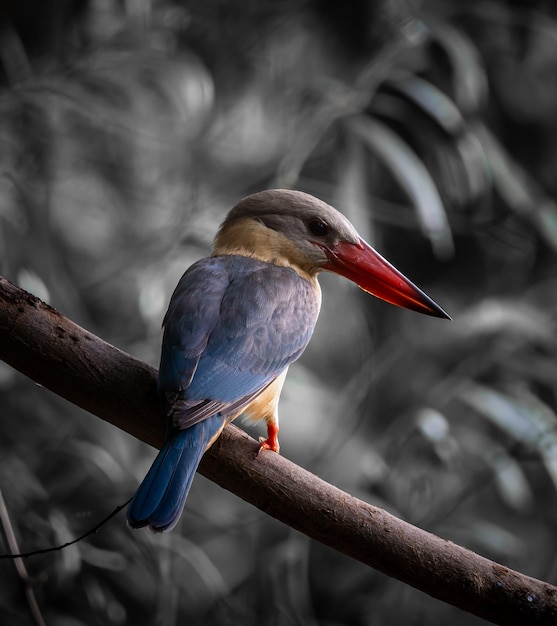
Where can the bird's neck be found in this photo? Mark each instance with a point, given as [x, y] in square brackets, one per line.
[248, 237]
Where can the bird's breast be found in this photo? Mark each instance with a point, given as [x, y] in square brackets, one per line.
[265, 405]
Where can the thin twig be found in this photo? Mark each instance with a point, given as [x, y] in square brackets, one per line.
[28, 583]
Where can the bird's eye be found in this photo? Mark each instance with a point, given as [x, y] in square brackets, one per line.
[319, 228]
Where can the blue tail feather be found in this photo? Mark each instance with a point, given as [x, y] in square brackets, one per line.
[160, 498]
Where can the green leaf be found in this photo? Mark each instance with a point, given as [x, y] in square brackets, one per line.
[412, 175]
[440, 134]
[470, 85]
[431, 101]
[518, 190]
[526, 419]
[508, 474]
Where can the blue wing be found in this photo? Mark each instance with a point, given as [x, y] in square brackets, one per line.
[233, 325]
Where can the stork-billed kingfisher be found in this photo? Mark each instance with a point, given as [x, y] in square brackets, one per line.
[239, 318]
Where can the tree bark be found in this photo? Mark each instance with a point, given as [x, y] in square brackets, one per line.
[55, 352]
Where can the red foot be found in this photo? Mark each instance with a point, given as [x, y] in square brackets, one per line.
[271, 443]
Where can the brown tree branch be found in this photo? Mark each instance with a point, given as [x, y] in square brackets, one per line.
[52, 350]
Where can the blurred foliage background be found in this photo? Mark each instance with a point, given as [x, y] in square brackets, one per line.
[128, 129]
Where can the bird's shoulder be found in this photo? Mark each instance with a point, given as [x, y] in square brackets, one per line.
[241, 282]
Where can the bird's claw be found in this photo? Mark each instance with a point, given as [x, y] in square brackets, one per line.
[271, 443]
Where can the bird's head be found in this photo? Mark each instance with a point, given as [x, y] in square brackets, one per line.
[295, 229]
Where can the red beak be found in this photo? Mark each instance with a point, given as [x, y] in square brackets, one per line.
[361, 264]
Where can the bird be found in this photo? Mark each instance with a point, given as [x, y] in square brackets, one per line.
[236, 321]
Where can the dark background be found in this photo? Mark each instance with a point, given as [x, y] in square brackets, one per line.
[127, 130]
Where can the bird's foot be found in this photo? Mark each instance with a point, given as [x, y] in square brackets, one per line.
[271, 443]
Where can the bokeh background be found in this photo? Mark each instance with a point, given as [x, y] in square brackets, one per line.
[128, 129]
